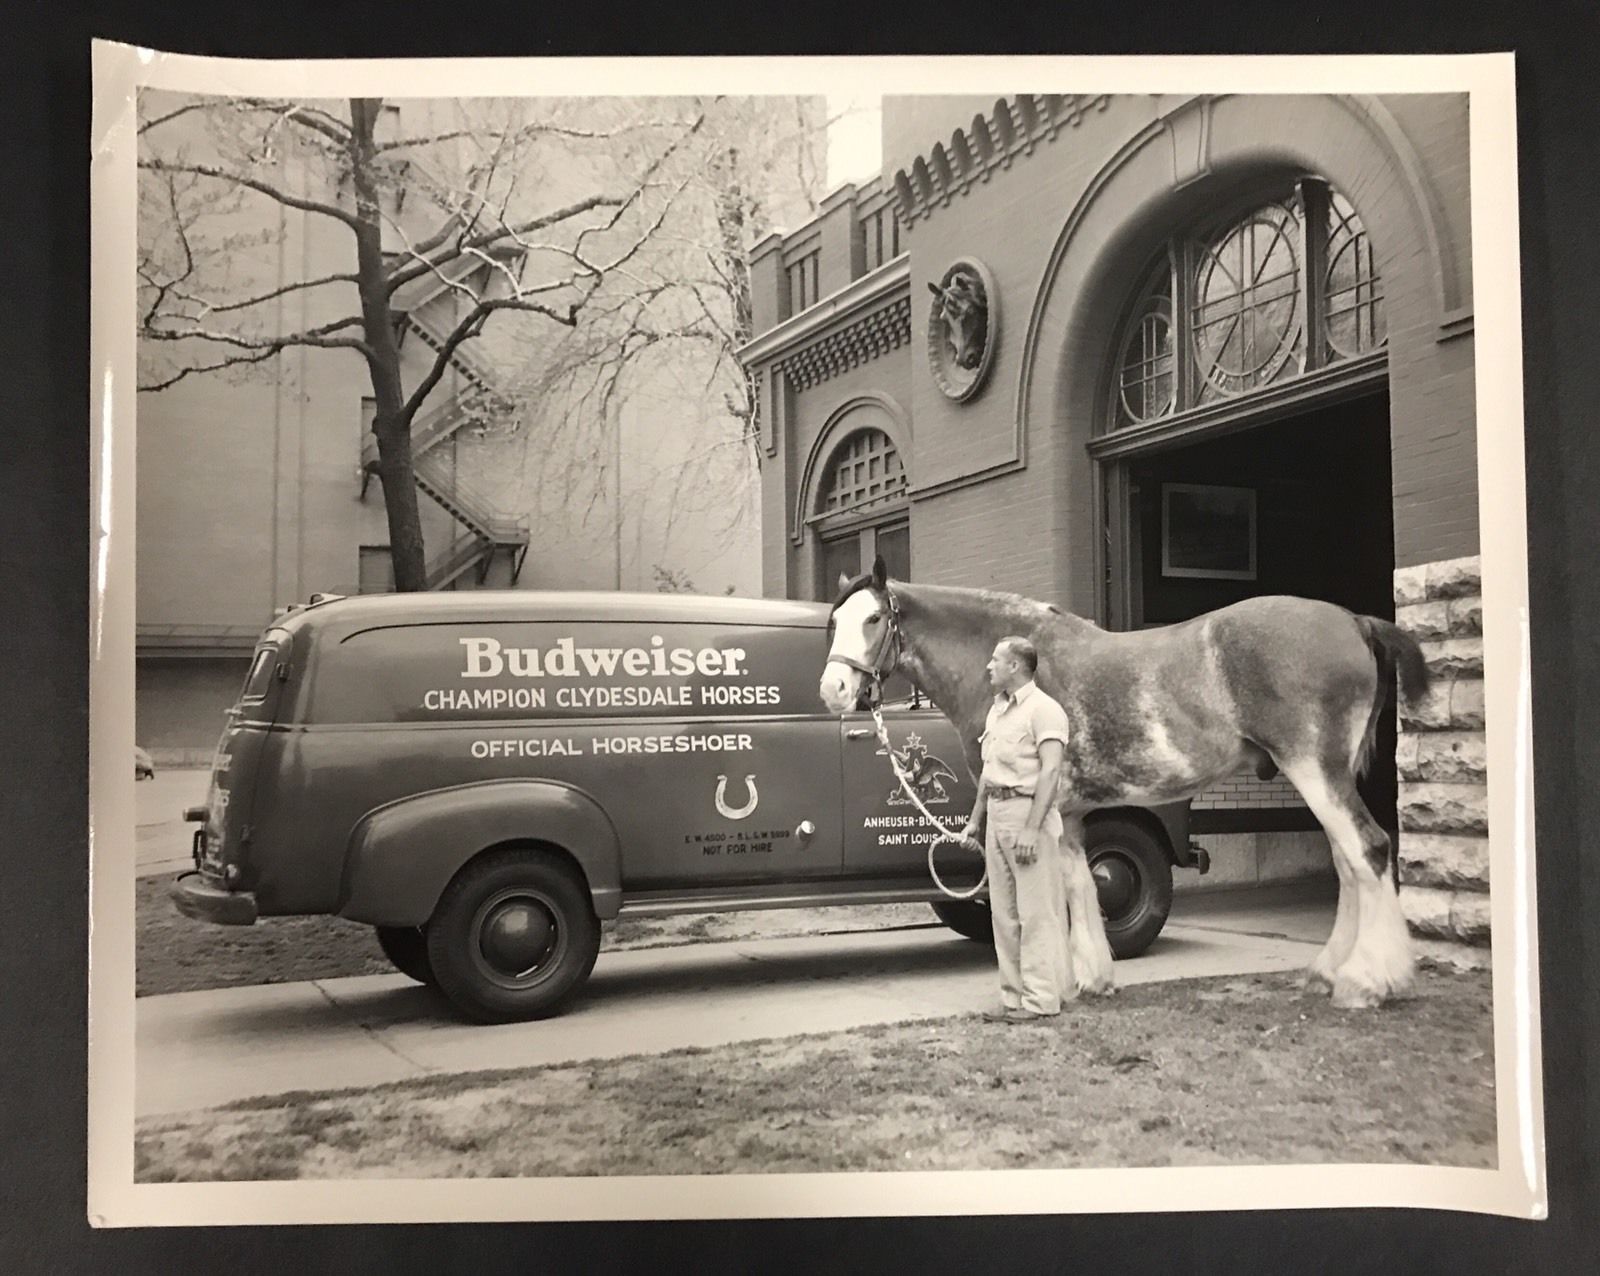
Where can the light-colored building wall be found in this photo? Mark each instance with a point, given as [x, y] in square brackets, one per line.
[249, 491]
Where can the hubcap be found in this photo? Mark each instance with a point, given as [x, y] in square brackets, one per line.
[1117, 882]
[516, 935]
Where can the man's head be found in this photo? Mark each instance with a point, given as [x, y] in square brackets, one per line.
[1014, 662]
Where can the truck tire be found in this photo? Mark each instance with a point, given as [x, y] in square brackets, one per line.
[513, 937]
[1134, 878]
[969, 918]
[406, 947]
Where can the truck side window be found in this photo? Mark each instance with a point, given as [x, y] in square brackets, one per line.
[259, 680]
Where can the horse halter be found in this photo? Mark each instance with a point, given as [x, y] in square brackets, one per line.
[877, 668]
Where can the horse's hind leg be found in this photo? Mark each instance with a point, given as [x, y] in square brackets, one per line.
[1377, 964]
[1087, 942]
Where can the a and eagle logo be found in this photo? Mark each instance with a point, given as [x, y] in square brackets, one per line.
[926, 773]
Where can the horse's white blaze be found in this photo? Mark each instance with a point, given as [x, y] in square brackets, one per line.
[841, 684]
[1378, 964]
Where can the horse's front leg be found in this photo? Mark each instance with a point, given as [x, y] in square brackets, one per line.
[1087, 942]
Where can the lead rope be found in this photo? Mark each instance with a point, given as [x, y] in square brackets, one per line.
[945, 834]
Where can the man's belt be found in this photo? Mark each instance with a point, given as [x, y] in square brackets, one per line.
[1003, 791]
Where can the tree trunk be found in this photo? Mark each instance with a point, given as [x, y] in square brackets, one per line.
[391, 423]
[400, 504]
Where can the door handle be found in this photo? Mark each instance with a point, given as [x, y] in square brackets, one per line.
[857, 733]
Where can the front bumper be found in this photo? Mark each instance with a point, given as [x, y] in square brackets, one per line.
[197, 898]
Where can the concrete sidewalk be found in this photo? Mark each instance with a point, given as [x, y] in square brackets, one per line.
[201, 1049]
[163, 840]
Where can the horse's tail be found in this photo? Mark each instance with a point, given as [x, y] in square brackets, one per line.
[1396, 652]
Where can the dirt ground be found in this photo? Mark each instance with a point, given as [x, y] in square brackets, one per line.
[172, 953]
[1221, 1071]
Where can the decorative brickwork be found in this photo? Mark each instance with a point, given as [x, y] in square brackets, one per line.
[1442, 765]
[991, 142]
[838, 351]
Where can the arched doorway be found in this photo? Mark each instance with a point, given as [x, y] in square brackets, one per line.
[1244, 443]
[1270, 315]
[862, 510]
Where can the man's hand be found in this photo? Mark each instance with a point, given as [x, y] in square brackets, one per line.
[973, 832]
[1027, 846]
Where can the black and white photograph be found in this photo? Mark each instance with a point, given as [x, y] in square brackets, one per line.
[814, 638]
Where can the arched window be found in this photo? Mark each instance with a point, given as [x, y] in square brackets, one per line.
[1288, 287]
[862, 511]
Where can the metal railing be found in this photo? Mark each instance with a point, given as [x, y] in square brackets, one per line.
[467, 504]
[436, 426]
[487, 528]
[468, 550]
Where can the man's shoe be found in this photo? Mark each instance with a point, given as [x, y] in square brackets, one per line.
[1015, 1014]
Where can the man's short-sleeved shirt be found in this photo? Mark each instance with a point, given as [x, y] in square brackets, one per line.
[1017, 725]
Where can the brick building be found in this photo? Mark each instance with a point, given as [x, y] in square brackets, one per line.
[1226, 350]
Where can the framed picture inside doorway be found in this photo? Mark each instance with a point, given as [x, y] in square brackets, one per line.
[1208, 532]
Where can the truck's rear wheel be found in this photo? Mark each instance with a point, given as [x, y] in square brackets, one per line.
[513, 937]
[406, 947]
[1133, 878]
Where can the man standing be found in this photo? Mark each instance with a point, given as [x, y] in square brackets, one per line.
[1024, 740]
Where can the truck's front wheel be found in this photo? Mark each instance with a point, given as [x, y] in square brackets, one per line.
[513, 937]
[969, 918]
[406, 947]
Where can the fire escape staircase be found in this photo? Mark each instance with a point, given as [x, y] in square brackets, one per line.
[485, 529]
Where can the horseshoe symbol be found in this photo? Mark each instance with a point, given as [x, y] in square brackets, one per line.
[729, 812]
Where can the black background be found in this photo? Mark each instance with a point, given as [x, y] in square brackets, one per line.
[44, 552]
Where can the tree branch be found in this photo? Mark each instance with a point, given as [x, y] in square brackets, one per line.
[278, 292]
[321, 336]
[255, 184]
[488, 239]
[232, 361]
[310, 117]
[469, 326]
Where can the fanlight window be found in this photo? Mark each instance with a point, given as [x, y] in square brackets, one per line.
[1290, 287]
[865, 474]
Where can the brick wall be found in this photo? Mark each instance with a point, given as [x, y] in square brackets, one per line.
[1244, 792]
[1444, 827]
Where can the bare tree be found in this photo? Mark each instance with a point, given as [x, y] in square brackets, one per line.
[677, 321]
[459, 207]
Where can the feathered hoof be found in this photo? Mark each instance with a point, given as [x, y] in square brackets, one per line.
[1354, 996]
[1359, 991]
[1315, 979]
[1106, 987]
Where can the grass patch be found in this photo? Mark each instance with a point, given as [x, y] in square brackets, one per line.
[176, 954]
[1219, 1071]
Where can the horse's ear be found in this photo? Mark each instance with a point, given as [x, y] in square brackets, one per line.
[934, 289]
[880, 573]
[844, 581]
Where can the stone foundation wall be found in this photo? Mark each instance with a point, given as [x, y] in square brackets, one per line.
[1444, 824]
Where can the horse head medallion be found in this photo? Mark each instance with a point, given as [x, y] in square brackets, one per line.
[961, 328]
[736, 813]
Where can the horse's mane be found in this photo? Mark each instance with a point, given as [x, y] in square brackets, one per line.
[946, 658]
[983, 607]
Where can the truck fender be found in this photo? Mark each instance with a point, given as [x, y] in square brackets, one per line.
[1170, 822]
[402, 855]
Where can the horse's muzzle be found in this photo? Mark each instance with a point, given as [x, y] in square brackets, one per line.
[840, 687]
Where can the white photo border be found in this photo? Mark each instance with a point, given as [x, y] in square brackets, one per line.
[1517, 1187]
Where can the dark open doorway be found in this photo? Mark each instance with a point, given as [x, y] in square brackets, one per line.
[1298, 506]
